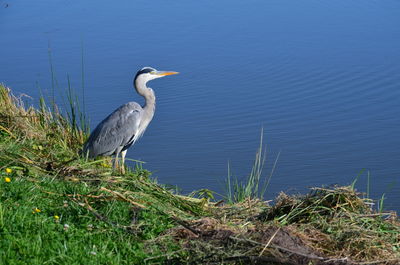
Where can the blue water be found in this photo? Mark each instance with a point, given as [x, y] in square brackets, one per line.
[321, 77]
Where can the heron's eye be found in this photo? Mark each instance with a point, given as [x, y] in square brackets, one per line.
[152, 72]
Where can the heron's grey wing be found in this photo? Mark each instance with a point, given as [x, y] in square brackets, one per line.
[116, 131]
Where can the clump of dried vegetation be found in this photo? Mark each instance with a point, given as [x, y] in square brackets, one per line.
[91, 214]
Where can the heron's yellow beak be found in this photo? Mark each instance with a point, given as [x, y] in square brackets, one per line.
[164, 73]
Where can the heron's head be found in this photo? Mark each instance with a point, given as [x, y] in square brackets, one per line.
[148, 73]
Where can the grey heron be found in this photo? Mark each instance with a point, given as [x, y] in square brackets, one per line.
[123, 127]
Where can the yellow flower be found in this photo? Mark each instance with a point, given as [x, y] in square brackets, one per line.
[7, 179]
[8, 170]
[56, 217]
[37, 210]
[105, 165]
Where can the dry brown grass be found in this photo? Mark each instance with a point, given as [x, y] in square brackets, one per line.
[42, 125]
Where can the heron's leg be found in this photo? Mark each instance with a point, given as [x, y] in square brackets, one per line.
[116, 165]
[123, 154]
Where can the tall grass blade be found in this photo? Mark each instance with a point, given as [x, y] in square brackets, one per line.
[83, 79]
[270, 175]
[228, 185]
[254, 186]
[72, 108]
[353, 184]
[83, 118]
[381, 201]
[52, 78]
[368, 184]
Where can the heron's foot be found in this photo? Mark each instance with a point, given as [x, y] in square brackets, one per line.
[116, 164]
[122, 169]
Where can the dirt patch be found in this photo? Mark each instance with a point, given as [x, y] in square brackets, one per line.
[211, 242]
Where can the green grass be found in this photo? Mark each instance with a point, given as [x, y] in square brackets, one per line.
[57, 207]
[111, 219]
[34, 237]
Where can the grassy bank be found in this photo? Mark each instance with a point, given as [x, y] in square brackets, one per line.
[57, 208]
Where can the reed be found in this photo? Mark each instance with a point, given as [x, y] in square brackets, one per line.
[255, 185]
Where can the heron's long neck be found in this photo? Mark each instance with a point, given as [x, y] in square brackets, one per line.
[149, 96]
